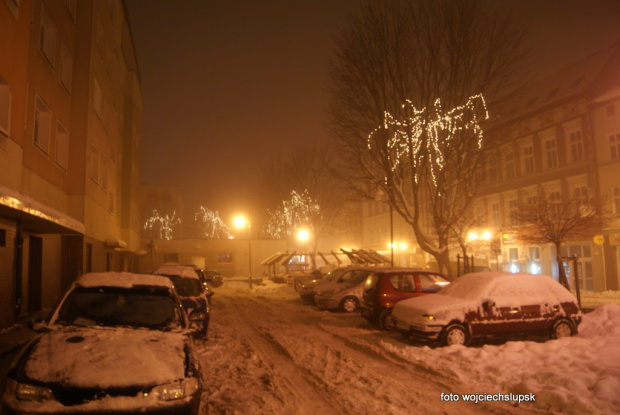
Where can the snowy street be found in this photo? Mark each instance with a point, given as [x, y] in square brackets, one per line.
[268, 353]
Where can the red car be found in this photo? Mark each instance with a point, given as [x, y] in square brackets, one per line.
[386, 287]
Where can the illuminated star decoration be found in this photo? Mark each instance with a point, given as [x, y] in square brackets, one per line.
[426, 135]
[164, 224]
[300, 209]
[214, 226]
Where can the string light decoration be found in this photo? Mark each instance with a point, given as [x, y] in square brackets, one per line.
[301, 209]
[163, 225]
[425, 137]
[212, 225]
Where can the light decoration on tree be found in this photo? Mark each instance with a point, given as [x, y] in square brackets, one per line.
[427, 136]
[301, 209]
[213, 225]
[162, 224]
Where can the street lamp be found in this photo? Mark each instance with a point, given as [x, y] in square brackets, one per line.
[241, 222]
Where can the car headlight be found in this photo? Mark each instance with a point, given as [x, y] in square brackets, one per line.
[176, 390]
[26, 392]
[429, 316]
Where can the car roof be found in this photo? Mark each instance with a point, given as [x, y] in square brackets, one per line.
[121, 280]
[180, 270]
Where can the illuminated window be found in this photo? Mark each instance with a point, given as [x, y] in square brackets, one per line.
[47, 35]
[224, 257]
[62, 146]
[575, 143]
[42, 124]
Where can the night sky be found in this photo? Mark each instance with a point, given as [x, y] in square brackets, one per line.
[228, 83]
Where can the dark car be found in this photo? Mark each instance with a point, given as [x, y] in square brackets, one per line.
[490, 304]
[384, 288]
[116, 343]
[192, 293]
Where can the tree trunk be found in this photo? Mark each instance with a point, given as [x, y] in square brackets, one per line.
[562, 272]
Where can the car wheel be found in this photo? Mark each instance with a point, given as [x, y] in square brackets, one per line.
[385, 320]
[454, 334]
[349, 304]
[561, 328]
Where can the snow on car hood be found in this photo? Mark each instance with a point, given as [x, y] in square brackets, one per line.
[107, 357]
[442, 307]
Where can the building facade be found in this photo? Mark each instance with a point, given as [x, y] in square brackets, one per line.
[558, 136]
[70, 125]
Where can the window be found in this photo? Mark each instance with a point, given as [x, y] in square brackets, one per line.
[534, 266]
[98, 99]
[614, 146]
[575, 142]
[581, 194]
[403, 282]
[555, 203]
[492, 171]
[71, 8]
[94, 165]
[528, 159]
[513, 208]
[42, 124]
[66, 68]
[47, 35]
[551, 154]
[224, 258]
[13, 6]
[62, 146]
[5, 107]
[615, 199]
[509, 162]
[495, 214]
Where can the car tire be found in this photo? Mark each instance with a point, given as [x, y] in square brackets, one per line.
[349, 304]
[385, 320]
[454, 334]
[561, 328]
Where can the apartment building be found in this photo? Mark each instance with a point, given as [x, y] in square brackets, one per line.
[70, 125]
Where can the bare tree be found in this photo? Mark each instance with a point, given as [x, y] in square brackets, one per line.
[400, 71]
[303, 181]
[549, 219]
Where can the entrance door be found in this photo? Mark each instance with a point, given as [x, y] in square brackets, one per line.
[35, 259]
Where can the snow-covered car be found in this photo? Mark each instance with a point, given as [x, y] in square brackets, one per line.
[345, 292]
[383, 289]
[490, 304]
[307, 289]
[116, 343]
[192, 293]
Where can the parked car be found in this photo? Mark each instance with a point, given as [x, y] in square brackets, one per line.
[191, 291]
[307, 290]
[345, 292]
[383, 289]
[210, 278]
[117, 342]
[490, 304]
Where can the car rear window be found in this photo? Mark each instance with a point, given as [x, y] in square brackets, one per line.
[403, 282]
[186, 287]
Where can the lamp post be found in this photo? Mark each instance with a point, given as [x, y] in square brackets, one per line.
[240, 222]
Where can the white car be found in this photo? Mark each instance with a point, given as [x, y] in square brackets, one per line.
[490, 304]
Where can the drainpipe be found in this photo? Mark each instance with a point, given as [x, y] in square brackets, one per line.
[19, 254]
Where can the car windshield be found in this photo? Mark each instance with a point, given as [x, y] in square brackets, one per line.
[115, 307]
[332, 276]
[186, 287]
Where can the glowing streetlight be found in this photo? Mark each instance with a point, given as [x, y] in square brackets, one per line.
[241, 222]
[303, 235]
